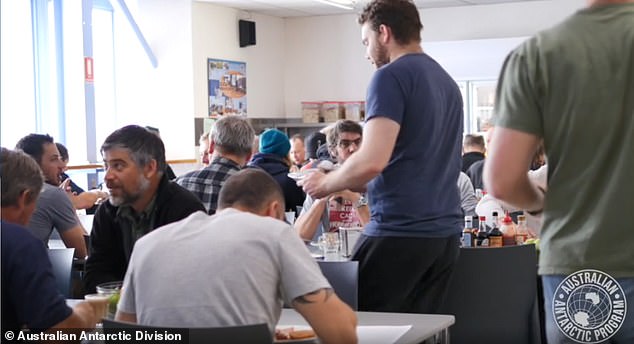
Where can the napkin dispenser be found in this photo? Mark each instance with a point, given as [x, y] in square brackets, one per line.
[348, 237]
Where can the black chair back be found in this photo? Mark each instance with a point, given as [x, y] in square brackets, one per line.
[87, 242]
[493, 295]
[245, 334]
[343, 276]
[62, 262]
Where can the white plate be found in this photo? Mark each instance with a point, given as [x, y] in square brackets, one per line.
[297, 175]
[292, 341]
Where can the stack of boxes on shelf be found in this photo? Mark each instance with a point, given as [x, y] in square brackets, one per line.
[331, 111]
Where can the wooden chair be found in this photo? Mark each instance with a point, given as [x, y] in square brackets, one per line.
[246, 334]
[493, 295]
[344, 279]
[62, 262]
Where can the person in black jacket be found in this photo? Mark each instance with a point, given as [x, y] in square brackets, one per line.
[273, 158]
[473, 149]
[141, 199]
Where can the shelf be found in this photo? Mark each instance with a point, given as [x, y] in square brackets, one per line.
[303, 125]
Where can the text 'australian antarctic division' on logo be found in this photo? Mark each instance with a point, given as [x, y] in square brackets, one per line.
[589, 306]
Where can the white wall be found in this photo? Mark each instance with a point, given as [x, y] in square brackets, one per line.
[494, 21]
[215, 35]
[477, 59]
[326, 60]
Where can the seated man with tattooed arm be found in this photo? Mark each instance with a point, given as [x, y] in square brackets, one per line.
[244, 261]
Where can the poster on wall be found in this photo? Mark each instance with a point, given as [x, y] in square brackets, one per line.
[227, 87]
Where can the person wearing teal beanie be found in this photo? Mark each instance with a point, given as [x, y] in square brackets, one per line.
[275, 142]
[273, 158]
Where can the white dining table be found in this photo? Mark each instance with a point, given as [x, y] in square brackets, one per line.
[375, 327]
[379, 327]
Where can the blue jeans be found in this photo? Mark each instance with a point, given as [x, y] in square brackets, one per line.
[625, 333]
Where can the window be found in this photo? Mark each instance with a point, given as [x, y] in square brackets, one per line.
[17, 72]
[482, 99]
[44, 86]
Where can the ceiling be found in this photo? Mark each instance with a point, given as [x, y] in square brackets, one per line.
[302, 8]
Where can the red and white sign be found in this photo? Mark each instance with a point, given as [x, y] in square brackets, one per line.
[88, 69]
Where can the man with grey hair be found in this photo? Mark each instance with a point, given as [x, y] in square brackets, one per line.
[230, 146]
[141, 199]
[37, 306]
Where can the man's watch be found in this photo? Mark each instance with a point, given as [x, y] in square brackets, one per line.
[361, 202]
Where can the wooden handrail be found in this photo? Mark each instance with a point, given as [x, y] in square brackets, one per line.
[98, 166]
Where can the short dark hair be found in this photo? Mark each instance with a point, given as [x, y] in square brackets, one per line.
[19, 172]
[251, 188]
[472, 140]
[312, 144]
[141, 144]
[33, 145]
[153, 130]
[401, 16]
[63, 152]
[342, 126]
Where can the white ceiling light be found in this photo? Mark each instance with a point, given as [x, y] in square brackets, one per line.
[345, 4]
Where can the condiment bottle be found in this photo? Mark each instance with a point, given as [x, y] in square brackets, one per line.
[508, 231]
[482, 239]
[495, 235]
[521, 233]
[467, 232]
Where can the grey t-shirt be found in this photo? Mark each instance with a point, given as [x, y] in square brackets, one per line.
[52, 210]
[233, 268]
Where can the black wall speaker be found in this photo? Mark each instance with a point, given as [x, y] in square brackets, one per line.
[247, 33]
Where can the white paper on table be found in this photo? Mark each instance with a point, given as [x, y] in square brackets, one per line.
[380, 334]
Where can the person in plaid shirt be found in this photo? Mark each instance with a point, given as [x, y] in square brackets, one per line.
[230, 142]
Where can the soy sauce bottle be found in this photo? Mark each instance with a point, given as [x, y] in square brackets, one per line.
[496, 238]
[482, 240]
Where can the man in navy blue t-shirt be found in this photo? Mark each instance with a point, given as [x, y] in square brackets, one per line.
[30, 298]
[409, 161]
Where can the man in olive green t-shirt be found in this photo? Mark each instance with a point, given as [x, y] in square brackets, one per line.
[572, 86]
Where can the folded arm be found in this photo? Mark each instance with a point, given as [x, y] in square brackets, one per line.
[307, 223]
